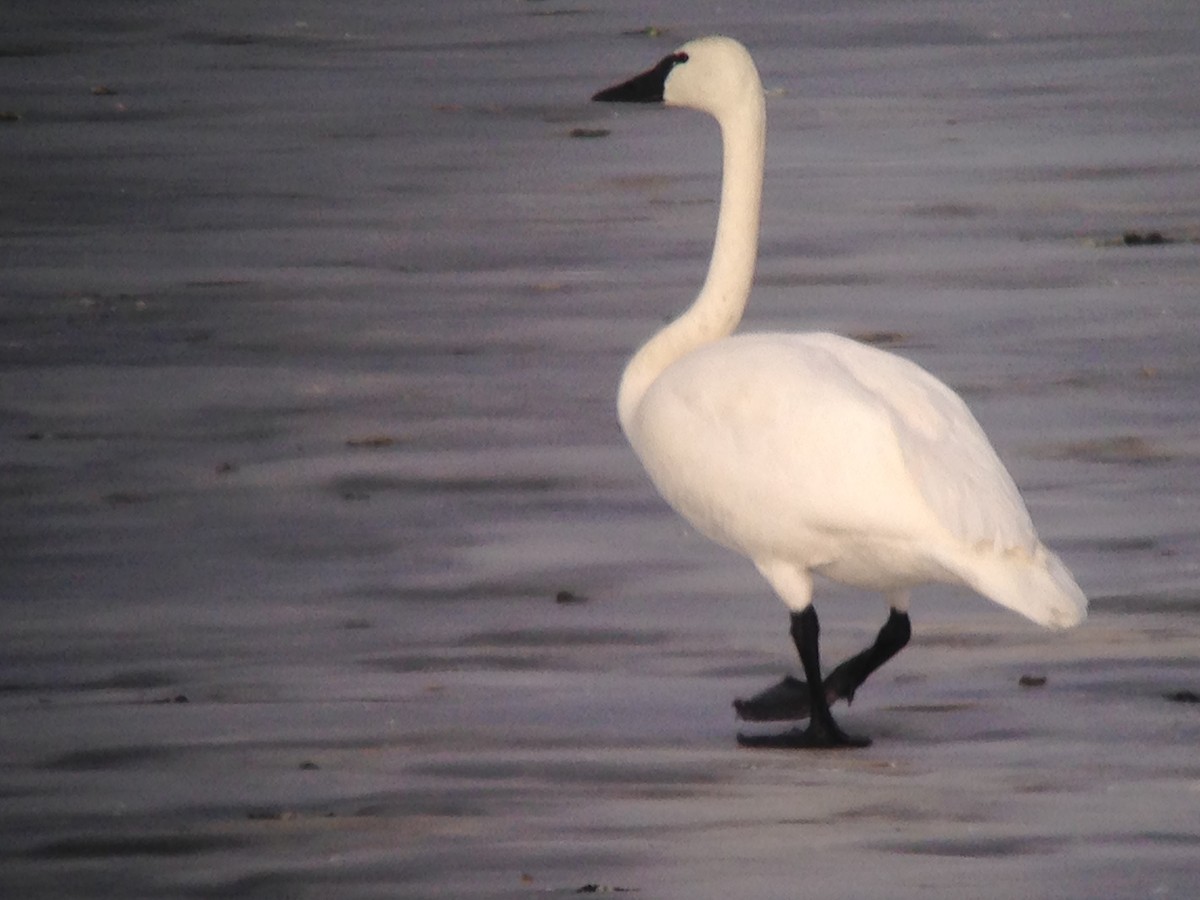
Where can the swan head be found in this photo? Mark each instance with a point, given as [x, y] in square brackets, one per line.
[711, 74]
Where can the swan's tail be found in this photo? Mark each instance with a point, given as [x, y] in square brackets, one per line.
[1038, 587]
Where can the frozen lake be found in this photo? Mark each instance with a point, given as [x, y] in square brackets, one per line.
[311, 320]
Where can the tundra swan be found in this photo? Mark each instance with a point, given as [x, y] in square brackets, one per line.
[813, 453]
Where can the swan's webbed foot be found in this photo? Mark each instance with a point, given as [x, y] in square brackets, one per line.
[781, 702]
[814, 737]
[788, 700]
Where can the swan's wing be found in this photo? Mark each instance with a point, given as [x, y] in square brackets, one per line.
[969, 491]
[944, 449]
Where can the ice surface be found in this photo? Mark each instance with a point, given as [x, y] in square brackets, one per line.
[310, 324]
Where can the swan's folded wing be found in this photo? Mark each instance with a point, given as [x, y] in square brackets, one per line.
[946, 452]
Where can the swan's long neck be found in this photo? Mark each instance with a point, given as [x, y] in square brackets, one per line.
[718, 308]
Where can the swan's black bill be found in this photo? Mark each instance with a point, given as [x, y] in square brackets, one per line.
[645, 88]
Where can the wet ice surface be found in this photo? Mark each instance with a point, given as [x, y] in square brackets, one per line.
[311, 323]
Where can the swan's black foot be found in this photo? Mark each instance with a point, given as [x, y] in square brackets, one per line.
[814, 737]
[785, 701]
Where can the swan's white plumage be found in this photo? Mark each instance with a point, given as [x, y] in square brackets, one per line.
[811, 452]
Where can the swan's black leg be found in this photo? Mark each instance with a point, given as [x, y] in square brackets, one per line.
[822, 731]
[849, 676]
[789, 698]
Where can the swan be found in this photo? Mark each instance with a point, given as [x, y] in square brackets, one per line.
[813, 454]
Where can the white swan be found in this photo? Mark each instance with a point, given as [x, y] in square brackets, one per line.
[812, 453]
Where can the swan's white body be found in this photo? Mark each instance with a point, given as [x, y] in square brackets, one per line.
[812, 453]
